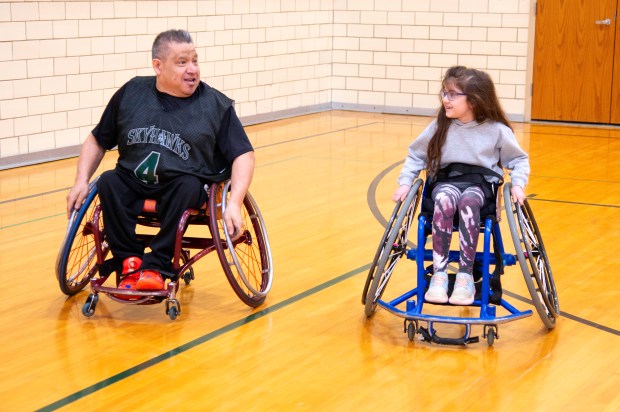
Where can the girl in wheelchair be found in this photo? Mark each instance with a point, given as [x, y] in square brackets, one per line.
[463, 151]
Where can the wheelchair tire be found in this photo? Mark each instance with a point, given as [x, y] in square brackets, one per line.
[392, 247]
[77, 262]
[533, 259]
[246, 259]
[375, 260]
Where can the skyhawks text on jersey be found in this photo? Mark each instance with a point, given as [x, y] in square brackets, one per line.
[153, 135]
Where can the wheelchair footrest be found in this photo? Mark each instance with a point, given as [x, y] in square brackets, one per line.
[433, 337]
[132, 296]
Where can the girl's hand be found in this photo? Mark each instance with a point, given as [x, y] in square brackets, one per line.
[401, 193]
[517, 194]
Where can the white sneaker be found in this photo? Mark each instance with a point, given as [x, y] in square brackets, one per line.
[438, 290]
[464, 290]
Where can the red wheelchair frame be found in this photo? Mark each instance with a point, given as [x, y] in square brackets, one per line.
[245, 259]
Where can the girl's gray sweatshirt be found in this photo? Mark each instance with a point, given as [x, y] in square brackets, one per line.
[489, 144]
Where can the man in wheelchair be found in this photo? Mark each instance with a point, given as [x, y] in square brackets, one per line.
[174, 134]
[463, 151]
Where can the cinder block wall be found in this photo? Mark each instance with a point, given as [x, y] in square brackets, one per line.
[390, 55]
[60, 61]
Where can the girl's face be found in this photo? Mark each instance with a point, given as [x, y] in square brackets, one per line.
[456, 105]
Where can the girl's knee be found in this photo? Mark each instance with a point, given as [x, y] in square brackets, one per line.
[471, 200]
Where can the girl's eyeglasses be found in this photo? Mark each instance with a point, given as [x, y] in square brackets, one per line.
[450, 94]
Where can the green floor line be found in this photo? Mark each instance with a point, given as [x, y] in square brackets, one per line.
[33, 220]
[198, 341]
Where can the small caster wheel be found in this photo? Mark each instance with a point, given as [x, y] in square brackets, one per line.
[173, 308]
[491, 335]
[188, 277]
[411, 331]
[173, 312]
[88, 309]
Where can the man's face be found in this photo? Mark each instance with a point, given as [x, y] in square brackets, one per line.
[177, 71]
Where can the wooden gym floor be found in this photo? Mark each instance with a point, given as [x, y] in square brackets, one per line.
[323, 183]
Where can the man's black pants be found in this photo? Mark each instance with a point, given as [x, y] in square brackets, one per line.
[122, 198]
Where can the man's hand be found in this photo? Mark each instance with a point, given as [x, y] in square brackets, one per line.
[76, 197]
[242, 172]
[232, 218]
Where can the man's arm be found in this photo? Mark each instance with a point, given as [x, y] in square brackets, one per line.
[91, 155]
[242, 172]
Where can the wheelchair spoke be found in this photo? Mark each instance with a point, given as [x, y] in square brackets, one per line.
[535, 253]
[542, 278]
[246, 259]
[533, 259]
[392, 247]
[79, 256]
[89, 257]
[385, 278]
[398, 249]
[541, 269]
[529, 237]
[82, 256]
[249, 264]
[247, 255]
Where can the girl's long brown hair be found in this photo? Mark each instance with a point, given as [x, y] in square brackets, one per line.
[480, 94]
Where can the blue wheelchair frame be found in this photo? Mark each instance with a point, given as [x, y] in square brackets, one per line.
[410, 305]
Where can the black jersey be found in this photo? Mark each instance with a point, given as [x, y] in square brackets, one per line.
[161, 136]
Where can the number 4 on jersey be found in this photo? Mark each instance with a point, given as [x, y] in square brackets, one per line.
[146, 171]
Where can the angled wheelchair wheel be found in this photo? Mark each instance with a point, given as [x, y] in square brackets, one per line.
[532, 258]
[388, 230]
[392, 247]
[246, 258]
[77, 260]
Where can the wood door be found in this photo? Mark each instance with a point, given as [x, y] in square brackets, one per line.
[615, 89]
[573, 60]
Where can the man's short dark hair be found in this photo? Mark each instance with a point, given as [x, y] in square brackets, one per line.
[160, 45]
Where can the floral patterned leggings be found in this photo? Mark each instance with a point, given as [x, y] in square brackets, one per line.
[448, 199]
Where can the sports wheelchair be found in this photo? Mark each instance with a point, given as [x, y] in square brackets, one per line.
[488, 268]
[246, 259]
